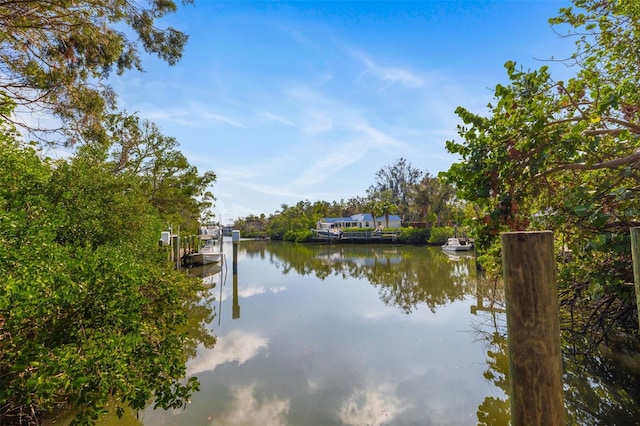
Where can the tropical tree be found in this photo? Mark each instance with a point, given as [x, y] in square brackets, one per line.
[373, 207]
[401, 178]
[434, 199]
[386, 207]
[564, 155]
[175, 187]
[90, 309]
[355, 205]
[55, 56]
[292, 219]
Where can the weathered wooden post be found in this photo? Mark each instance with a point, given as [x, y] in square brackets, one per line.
[533, 329]
[635, 254]
[175, 249]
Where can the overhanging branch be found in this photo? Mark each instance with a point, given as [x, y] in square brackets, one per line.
[611, 164]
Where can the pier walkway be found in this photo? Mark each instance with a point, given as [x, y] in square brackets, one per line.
[362, 237]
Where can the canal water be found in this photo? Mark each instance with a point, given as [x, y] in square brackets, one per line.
[366, 335]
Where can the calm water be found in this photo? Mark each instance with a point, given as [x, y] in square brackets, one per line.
[365, 335]
[340, 335]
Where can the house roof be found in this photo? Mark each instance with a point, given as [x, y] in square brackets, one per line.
[362, 217]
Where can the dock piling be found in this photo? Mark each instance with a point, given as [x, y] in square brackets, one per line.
[533, 329]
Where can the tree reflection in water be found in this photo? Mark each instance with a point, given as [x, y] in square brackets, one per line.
[601, 386]
[402, 282]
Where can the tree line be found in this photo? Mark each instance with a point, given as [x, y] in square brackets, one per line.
[420, 199]
[546, 154]
[91, 311]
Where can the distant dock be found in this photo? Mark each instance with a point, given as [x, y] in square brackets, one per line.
[361, 237]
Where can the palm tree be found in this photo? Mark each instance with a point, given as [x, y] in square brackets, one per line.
[387, 208]
[374, 209]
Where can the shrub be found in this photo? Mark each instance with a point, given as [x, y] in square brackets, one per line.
[301, 236]
[85, 316]
[414, 235]
[439, 235]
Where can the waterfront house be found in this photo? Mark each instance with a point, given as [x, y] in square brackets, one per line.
[363, 220]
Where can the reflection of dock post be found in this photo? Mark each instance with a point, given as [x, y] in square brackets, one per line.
[235, 238]
[533, 329]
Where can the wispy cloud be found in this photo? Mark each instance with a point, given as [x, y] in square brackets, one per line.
[389, 75]
[361, 141]
[337, 133]
[191, 114]
[222, 119]
[276, 118]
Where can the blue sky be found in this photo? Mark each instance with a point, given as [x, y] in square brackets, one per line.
[291, 101]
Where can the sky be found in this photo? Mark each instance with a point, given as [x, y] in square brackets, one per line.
[293, 101]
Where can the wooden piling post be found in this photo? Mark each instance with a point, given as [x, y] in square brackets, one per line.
[635, 254]
[533, 329]
[175, 249]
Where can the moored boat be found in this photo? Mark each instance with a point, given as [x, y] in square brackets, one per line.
[209, 232]
[327, 231]
[206, 255]
[458, 244]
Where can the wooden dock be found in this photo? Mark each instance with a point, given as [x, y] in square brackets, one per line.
[362, 237]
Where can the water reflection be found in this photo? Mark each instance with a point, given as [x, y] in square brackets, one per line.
[352, 335]
[208, 273]
[405, 276]
[236, 304]
[601, 387]
[337, 335]
[490, 328]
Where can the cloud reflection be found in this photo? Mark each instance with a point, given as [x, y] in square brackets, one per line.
[372, 406]
[233, 347]
[249, 408]
[246, 292]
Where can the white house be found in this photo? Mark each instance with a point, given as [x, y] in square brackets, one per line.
[363, 220]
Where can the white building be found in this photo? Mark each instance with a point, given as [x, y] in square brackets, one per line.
[363, 220]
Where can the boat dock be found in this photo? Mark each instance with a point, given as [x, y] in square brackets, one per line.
[361, 237]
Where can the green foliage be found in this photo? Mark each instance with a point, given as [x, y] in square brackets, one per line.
[301, 236]
[414, 235]
[436, 202]
[89, 306]
[398, 181]
[97, 206]
[53, 52]
[439, 235]
[398, 190]
[175, 188]
[254, 234]
[95, 323]
[301, 217]
[563, 156]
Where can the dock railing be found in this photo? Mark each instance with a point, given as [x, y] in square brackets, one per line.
[372, 235]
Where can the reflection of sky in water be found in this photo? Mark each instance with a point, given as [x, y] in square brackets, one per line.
[329, 352]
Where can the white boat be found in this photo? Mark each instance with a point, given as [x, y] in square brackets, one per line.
[209, 232]
[327, 231]
[206, 255]
[458, 244]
